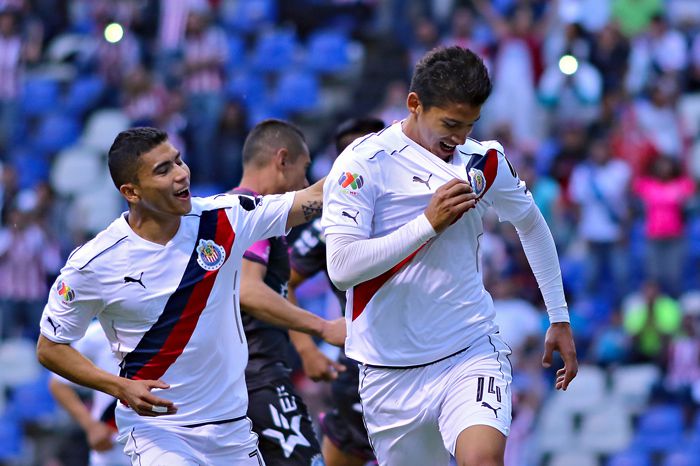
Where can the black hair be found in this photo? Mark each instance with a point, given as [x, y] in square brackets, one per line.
[447, 75]
[128, 146]
[275, 134]
[359, 126]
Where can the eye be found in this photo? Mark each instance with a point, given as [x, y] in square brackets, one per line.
[449, 124]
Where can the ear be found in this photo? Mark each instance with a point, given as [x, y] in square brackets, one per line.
[413, 103]
[281, 158]
[131, 193]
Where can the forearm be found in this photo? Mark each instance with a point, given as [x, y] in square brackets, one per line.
[70, 364]
[66, 396]
[307, 205]
[541, 253]
[353, 260]
[263, 303]
[302, 342]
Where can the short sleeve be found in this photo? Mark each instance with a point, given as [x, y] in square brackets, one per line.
[349, 194]
[260, 217]
[259, 252]
[508, 195]
[74, 300]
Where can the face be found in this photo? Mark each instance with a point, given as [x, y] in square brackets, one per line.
[294, 172]
[162, 182]
[441, 129]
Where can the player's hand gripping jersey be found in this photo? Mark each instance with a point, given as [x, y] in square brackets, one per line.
[382, 182]
[171, 312]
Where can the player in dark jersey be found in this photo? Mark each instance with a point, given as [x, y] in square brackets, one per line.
[345, 440]
[275, 160]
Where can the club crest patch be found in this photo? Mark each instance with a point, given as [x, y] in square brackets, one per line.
[477, 180]
[66, 293]
[210, 256]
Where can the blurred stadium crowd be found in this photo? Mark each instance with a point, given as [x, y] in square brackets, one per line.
[597, 103]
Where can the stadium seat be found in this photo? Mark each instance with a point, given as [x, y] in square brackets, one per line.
[555, 428]
[297, 92]
[262, 111]
[10, 439]
[575, 458]
[607, 429]
[85, 94]
[102, 127]
[275, 51]
[328, 52]
[659, 429]
[249, 15]
[631, 385]
[682, 458]
[33, 401]
[586, 392]
[40, 95]
[629, 458]
[31, 167]
[236, 53]
[69, 163]
[246, 86]
[56, 131]
[18, 362]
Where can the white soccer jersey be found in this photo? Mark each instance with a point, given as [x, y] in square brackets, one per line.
[95, 346]
[433, 303]
[171, 312]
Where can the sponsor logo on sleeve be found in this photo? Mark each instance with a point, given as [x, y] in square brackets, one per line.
[210, 256]
[351, 182]
[66, 293]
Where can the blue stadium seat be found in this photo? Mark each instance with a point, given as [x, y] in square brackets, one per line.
[682, 458]
[275, 51]
[629, 458]
[660, 429]
[33, 400]
[85, 94]
[297, 92]
[261, 111]
[236, 53]
[39, 96]
[55, 132]
[328, 52]
[31, 167]
[10, 438]
[246, 86]
[249, 15]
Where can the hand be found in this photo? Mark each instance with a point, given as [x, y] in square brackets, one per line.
[99, 436]
[334, 332]
[559, 338]
[318, 367]
[448, 204]
[137, 395]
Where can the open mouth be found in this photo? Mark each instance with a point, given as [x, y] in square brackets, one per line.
[447, 147]
[183, 193]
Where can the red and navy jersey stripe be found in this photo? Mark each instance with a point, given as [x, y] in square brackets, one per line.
[163, 343]
[108, 415]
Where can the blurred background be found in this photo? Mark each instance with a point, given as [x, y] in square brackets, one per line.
[597, 103]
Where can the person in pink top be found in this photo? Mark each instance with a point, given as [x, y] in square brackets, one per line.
[664, 193]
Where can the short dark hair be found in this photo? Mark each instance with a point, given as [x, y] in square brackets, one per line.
[359, 126]
[271, 133]
[448, 75]
[128, 146]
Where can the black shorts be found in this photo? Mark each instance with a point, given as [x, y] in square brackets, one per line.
[344, 425]
[281, 420]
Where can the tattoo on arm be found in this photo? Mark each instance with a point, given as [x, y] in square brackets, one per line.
[311, 209]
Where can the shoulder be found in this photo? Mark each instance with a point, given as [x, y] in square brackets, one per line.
[373, 147]
[101, 246]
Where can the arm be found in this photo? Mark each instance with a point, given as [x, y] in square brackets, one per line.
[541, 253]
[65, 361]
[260, 301]
[307, 205]
[353, 260]
[317, 365]
[98, 433]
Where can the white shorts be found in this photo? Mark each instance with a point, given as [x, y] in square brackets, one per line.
[210, 444]
[415, 415]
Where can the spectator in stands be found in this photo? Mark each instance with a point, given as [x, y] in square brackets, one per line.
[144, 99]
[657, 117]
[599, 187]
[652, 323]
[664, 194]
[11, 60]
[634, 16]
[230, 137]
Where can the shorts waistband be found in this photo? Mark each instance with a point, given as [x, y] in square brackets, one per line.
[374, 366]
[222, 421]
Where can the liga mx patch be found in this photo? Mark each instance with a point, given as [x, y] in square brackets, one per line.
[351, 181]
[66, 293]
[210, 256]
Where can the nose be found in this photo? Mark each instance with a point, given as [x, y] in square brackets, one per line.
[182, 171]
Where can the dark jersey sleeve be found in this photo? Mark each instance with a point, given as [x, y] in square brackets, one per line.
[308, 254]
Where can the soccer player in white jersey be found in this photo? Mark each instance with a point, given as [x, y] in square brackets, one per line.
[163, 281]
[402, 219]
[98, 421]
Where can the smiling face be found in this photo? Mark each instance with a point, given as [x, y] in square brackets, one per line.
[440, 129]
[162, 183]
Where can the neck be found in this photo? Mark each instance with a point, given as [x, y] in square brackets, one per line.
[154, 228]
[260, 181]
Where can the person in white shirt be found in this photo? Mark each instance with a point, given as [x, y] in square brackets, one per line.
[98, 421]
[163, 281]
[402, 219]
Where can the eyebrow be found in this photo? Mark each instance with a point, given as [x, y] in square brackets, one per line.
[459, 122]
[165, 162]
